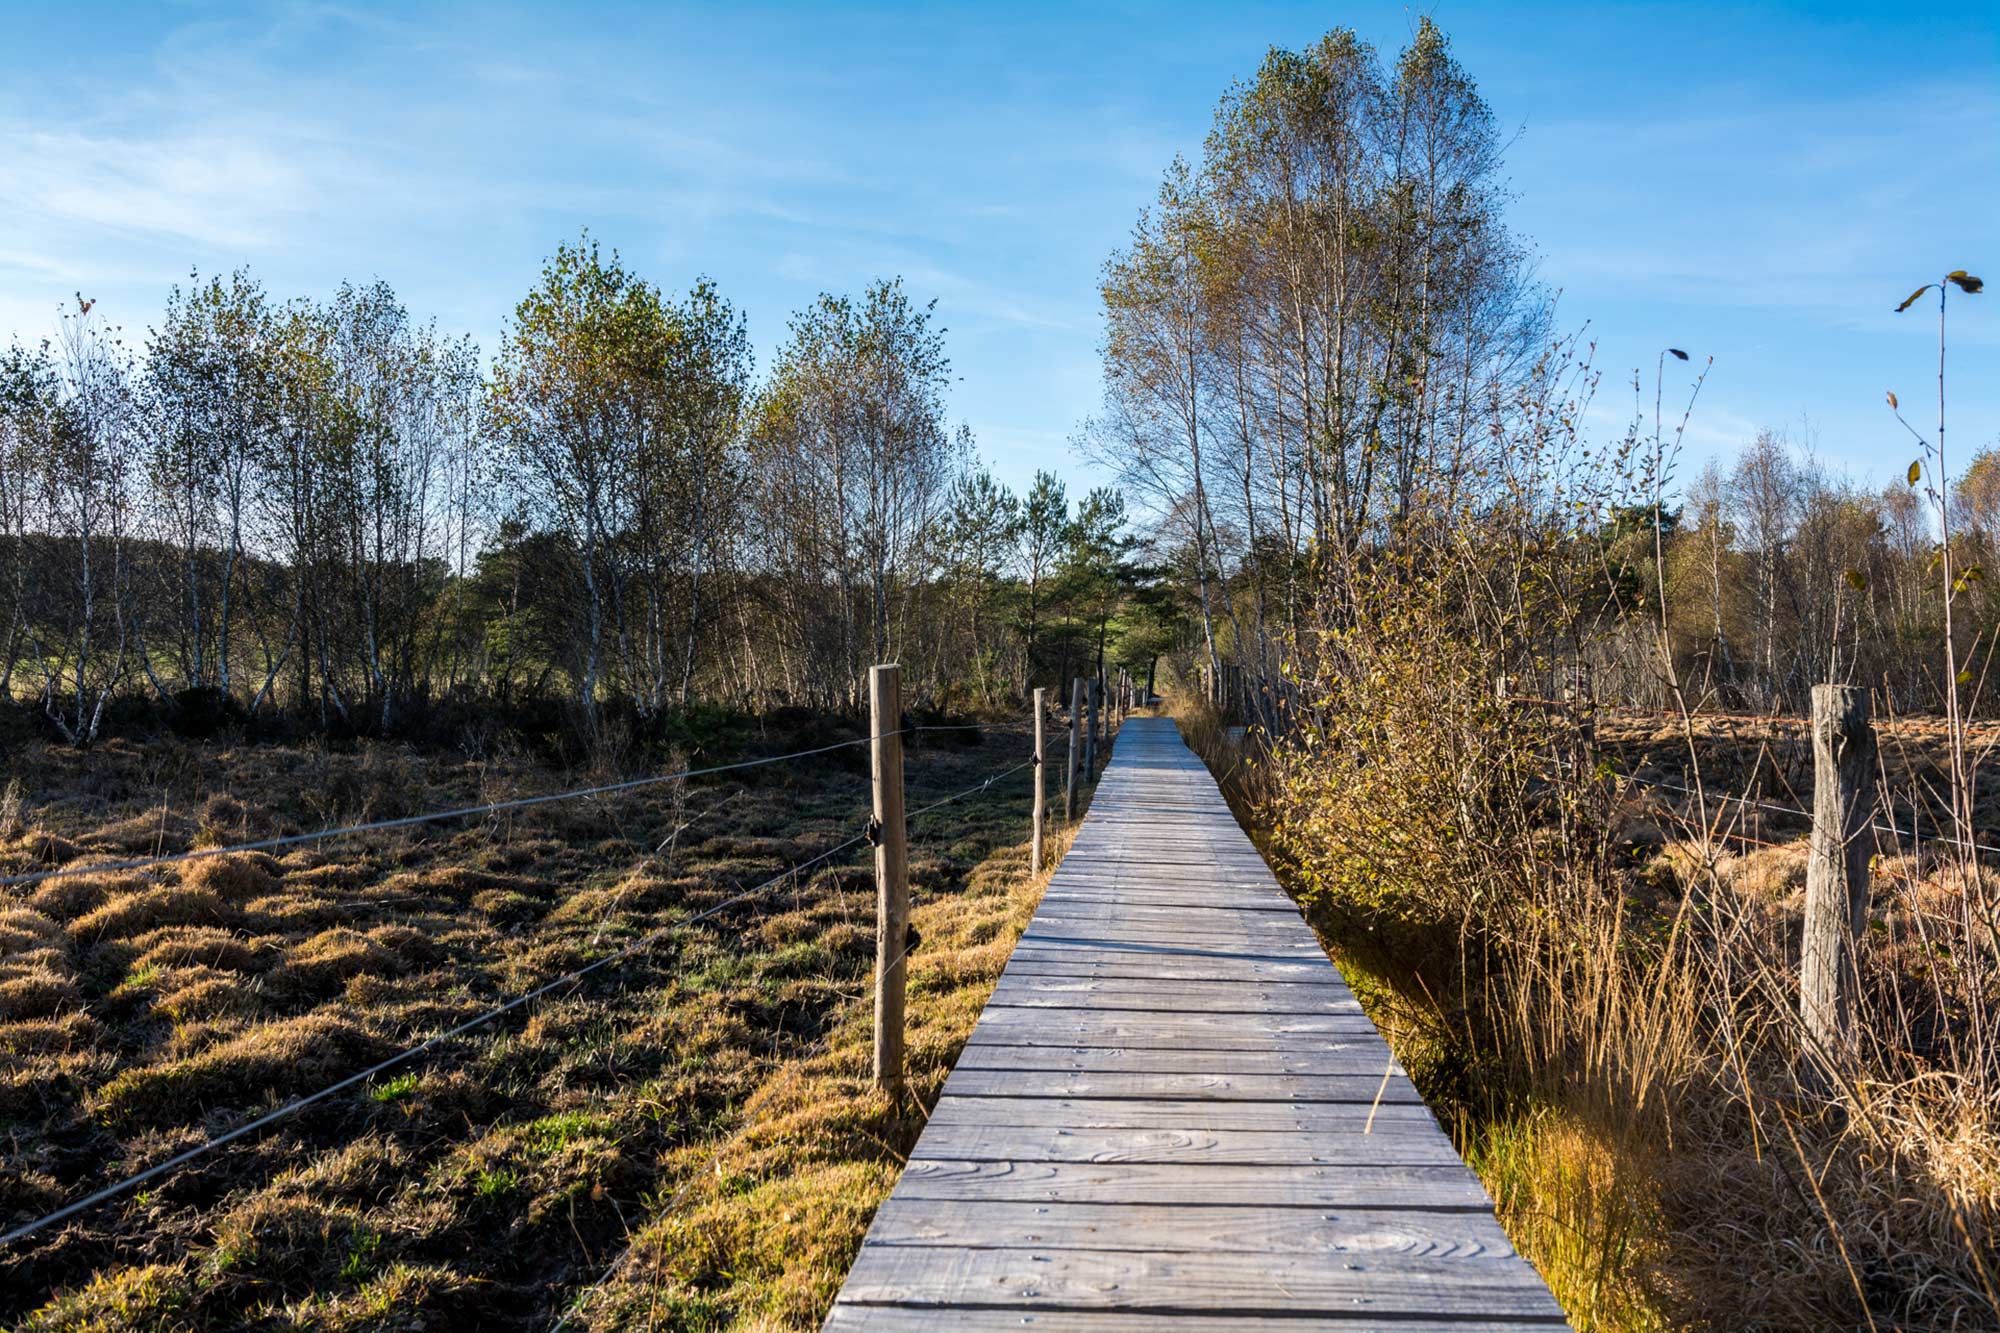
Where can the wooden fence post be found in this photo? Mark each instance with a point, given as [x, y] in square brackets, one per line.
[1837, 869]
[1586, 718]
[1035, 840]
[1075, 722]
[1090, 723]
[892, 872]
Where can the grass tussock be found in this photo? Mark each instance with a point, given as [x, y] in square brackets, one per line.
[148, 909]
[284, 1058]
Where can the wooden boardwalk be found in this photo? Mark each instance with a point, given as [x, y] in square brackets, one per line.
[1163, 1118]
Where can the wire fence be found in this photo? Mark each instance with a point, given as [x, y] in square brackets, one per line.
[194, 1155]
[1912, 837]
[580, 1300]
[429, 817]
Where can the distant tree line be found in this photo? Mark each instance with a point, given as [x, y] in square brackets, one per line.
[332, 515]
[1782, 573]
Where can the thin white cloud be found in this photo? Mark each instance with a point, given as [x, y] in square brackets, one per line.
[218, 191]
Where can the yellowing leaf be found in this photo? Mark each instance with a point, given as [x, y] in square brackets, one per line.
[1965, 282]
[1912, 299]
[1856, 580]
[1916, 473]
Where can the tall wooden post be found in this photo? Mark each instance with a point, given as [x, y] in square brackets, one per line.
[1075, 753]
[1586, 718]
[1035, 841]
[1090, 739]
[1837, 871]
[892, 872]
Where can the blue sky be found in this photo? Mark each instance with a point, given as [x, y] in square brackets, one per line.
[1758, 183]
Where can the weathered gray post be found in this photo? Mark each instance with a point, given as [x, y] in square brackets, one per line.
[1837, 871]
[1091, 733]
[892, 872]
[1035, 841]
[1075, 722]
[1586, 718]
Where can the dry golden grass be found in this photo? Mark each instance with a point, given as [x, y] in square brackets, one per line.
[486, 1183]
[762, 1228]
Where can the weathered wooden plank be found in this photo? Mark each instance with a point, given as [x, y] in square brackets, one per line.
[1166, 1147]
[1011, 1319]
[1145, 1184]
[1200, 898]
[1284, 947]
[1164, 1113]
[1379, 1287]
[1086, 1027]
[1358, 1056]
[1190, 1085]
[1171, 915]
[1180, 927]
[1165, 1002]
[1072, 931]
[1164, 1228]
[1166, 967]
[1189, 989]
[1139, 969]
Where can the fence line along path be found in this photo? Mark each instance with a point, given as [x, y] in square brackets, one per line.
[1173, 1115]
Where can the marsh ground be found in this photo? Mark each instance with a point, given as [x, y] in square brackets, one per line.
[716, 1080]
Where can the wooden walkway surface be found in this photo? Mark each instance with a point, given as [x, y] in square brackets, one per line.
[1162, 1120]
